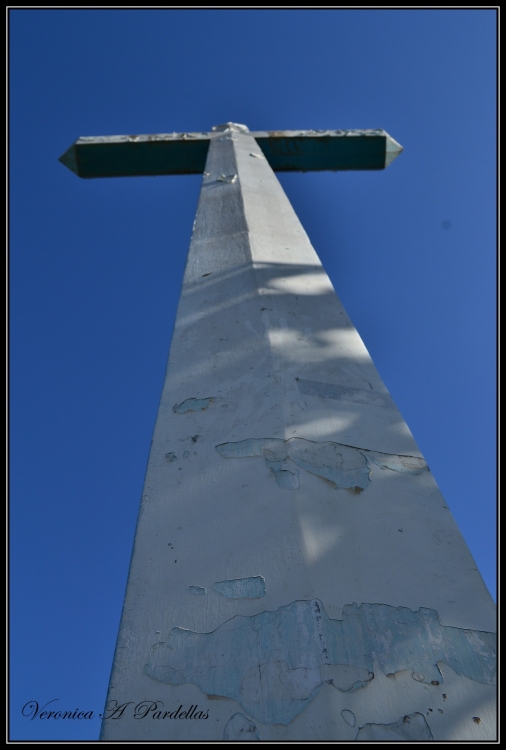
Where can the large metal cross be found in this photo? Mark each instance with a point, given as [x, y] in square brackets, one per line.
[292, 545]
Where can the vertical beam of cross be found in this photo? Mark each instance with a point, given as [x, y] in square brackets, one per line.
[292, 545]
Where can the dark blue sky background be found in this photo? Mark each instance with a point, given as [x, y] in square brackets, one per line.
[96, 268]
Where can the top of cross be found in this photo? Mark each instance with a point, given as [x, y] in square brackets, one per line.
[232, 126]
[185, 153]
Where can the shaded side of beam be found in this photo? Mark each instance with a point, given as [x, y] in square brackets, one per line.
[115, 158]
[307, 153]
[185, 153]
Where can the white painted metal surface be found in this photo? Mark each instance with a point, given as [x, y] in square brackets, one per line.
[283, 486]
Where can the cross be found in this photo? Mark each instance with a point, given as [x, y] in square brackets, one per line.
[292, 545]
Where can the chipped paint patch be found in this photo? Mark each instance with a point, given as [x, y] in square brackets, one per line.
[345, 677]
[242, 588]
[229, 178]
[192, 404]
[345, 466]
[349, 717]
[240, 729]
[275, 663]
[170, 457]
[344, 393]
[402, 464]
[287, 480]
[197, 590]
[415, 640]
[280, 682]
[410, 728]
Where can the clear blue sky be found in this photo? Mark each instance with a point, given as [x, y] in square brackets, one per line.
[96, 268]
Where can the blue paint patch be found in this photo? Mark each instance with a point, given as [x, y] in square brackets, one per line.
[242, 588]
[197, 590]
[345, 393]
[244, 448]
[192, 404]
[415, 640]
[411, 728]
[240, 729]
[349, 717]
[402, 464]
[287, 480]
[275, 663]
[345, 467]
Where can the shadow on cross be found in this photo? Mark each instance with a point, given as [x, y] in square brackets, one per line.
[292, 306]
[269, 353]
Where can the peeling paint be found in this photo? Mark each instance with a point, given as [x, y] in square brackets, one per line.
[345, 677]
[345, 393]
[281, 683]
[287, 480]
[192, 404]
[242, 588]
[410, 728]
[275, 663]
[345, 466]
[197, 590]
[404, 639]
[227, 178]
[240, 729]
[349, 717]
[402, 464]
[170, 457]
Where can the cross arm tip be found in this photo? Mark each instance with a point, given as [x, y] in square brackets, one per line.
[392, 150]
[69, 159]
